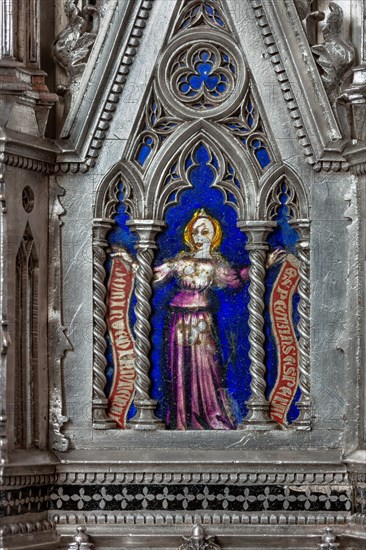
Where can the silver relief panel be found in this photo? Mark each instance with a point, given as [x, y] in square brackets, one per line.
[183, 118]
[202, 81]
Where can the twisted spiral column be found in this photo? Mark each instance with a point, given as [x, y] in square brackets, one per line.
[100, 419]
[256, 322]
[144, 418]
[258, 407]
[303, 421]
[144, 276]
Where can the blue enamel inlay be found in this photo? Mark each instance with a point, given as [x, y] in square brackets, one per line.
[229, 306]
[212, 13]
[144, 150]
[205, 77]
[120, 236]
[261, 153]
[284, 237]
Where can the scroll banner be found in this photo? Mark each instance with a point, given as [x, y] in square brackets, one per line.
[286, 341]
[120, 288]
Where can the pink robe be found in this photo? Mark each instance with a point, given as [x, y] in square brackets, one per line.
[197, 399]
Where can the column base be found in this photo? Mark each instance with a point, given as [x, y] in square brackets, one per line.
[258, 418]
[100, 419]
[145, 418]
[303, 421]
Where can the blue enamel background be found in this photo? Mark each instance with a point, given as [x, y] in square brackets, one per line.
[230, 307]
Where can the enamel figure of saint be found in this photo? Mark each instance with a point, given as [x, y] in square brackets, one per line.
[197, 395]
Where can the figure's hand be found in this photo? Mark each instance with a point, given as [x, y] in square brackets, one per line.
[276, 257]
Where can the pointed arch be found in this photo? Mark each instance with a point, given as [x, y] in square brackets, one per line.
[195, 14]
[125, 174]
[26, 344]
[271, 181]
[185, 139]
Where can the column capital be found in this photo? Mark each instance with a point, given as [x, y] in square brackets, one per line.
[101, 226]
[103, 223]
[146, 231]
[257, 232]
[303, 227]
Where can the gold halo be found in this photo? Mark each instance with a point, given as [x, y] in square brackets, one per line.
[188, 238]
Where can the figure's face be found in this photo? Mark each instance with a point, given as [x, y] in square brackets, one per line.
[202, 233]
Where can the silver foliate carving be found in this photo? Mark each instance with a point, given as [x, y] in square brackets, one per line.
[199, 541]
[58, 341]
[336, 55]
[72, 46]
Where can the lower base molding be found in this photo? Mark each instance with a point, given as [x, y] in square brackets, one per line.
[188, 519]
[226, 538]
[163, 531]
[31, 541]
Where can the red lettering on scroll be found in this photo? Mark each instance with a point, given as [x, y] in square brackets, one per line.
[287, 347]
[119, 296]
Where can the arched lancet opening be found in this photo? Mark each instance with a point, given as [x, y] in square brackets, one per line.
[121, 174]
[121, 179]
[283, 199]
[233, 163]
[206, 339]
[26, 371]
[270, 188]
[198, 176]
[205, 167]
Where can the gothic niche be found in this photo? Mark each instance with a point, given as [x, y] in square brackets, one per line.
[204, 321]
[26, 375]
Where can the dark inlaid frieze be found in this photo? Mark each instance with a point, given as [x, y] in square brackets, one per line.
[256, 498]
[25, 500]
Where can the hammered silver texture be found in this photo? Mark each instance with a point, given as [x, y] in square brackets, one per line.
[256, 488]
